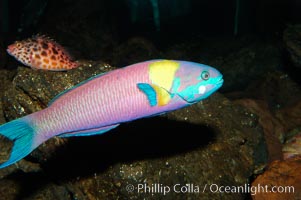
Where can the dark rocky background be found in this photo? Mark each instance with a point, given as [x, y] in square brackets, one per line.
[240, 135]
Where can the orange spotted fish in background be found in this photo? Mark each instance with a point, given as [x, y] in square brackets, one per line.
[40, 52]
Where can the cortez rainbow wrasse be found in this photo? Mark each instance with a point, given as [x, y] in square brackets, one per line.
[40, 52]
[102, 102]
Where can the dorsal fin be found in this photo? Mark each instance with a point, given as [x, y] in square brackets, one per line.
[75, 86]
[41, 37]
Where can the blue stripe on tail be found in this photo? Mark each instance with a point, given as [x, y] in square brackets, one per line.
[22, 134]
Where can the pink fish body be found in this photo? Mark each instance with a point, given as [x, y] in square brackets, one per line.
[103, 102]
[40, 52]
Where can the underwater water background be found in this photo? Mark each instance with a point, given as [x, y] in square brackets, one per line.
[233, 138]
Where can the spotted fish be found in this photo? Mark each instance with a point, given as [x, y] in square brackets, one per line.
[104, 101]
[40, 52]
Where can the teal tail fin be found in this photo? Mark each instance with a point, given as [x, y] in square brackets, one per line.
[22, 134]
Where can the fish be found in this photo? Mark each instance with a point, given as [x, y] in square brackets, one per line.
[292, 147]
[102, 102]
[41, 52]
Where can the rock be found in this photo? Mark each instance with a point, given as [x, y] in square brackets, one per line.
[278, 110]
[211, 142]
[285, 176]
[292, 38]
[6, 77]
[52, 191]
[276, 88]
[290, 116]
[2, 120]
[273, 129]
[18, 186]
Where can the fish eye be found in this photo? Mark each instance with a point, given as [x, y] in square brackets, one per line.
[18, 44]
[205, 75]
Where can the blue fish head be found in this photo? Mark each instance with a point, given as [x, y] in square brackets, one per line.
[194, 82]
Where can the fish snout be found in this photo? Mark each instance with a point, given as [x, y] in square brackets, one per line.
[10, 48]
[220, 82]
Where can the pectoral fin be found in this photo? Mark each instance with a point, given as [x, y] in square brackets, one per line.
[88, 132]
[156, 95]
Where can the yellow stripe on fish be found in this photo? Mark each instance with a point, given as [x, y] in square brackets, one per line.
[162, 73]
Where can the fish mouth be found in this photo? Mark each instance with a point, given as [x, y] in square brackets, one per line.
[220, 82]
[11, 48]
[9, 51]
